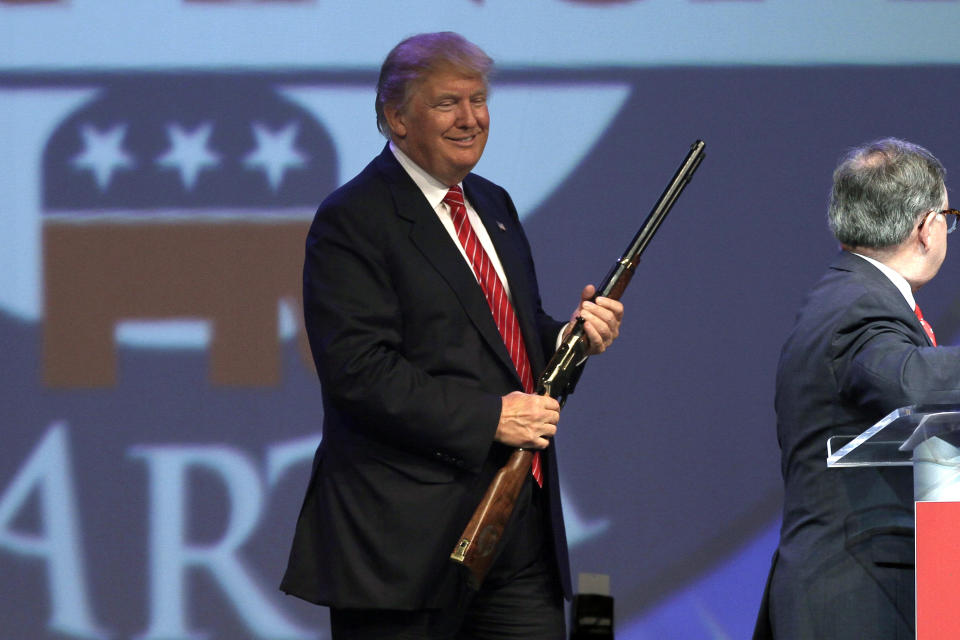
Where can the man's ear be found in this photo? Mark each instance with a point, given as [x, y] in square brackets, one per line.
[925, 232]
[396, 121]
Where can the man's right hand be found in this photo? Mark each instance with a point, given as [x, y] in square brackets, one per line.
[527, 421]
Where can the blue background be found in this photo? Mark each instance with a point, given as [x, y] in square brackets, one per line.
[161, 502]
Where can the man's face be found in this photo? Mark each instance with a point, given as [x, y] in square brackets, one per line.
[443, 127]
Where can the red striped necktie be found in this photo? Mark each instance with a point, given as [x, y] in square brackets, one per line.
[926, 325]
[500, 307]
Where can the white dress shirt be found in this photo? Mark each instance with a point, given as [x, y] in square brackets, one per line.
[898, 280]
[435, 191]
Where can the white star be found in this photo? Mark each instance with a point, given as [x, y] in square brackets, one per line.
[275, 153]
[102, 153]
[188, 152]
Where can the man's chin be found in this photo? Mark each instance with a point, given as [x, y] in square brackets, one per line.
[464, 165]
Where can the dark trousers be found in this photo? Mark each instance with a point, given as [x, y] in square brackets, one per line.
[520, 598]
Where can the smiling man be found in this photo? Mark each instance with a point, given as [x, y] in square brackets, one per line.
[424, 318]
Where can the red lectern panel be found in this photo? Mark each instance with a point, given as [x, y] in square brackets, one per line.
[938, 570]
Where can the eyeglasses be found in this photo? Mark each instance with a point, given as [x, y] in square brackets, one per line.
[950, 215]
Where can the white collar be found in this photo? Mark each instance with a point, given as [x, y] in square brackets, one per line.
[898, 280]
[433, 190]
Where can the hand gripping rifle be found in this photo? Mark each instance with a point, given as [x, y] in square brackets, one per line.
[478, 544]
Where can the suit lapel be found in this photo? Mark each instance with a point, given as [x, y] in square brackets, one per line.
[508, 242]
[432, 240]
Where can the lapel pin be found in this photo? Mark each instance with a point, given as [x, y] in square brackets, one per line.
[501, 225]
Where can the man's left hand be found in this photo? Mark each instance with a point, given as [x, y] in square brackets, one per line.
[601, 320]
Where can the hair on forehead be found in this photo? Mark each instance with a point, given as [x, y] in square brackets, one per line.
[418, 56]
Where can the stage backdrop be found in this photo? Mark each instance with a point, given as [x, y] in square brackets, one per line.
[159, 165]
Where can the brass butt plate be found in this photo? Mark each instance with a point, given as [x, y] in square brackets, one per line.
[460, 552]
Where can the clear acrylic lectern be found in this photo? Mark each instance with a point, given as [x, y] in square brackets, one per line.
[925, 436]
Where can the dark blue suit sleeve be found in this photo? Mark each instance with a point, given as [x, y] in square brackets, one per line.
[370, 327]
[879, 363]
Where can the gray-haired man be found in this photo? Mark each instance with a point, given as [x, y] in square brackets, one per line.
[844, 567]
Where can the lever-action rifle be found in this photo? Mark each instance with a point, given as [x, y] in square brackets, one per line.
[478, 544]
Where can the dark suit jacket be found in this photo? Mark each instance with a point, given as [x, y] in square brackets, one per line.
[412, 369]
[844, 566]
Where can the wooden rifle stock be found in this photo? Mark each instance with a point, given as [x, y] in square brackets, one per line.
[479, 544]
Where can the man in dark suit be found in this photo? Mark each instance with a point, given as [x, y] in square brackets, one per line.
[425, 322]
[844, 567]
